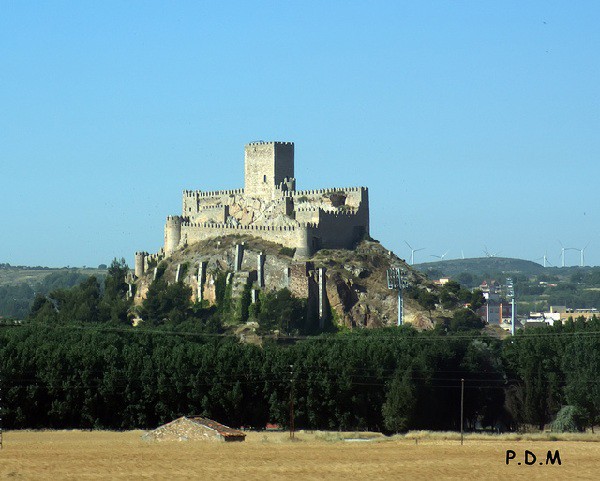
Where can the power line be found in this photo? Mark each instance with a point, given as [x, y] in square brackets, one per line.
[283, 378]
[416, 336]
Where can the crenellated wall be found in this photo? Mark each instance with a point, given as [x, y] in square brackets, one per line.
[309, 228]
[341, 230]
[288, 236]
[194, 201]
[269, 207]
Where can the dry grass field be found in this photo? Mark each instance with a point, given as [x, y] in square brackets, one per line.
[78, 455]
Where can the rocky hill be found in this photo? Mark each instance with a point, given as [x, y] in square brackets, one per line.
[356, 288]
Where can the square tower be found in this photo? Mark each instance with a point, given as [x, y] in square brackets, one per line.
[267, 165]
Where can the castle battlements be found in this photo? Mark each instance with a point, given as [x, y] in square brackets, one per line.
[217, 225]
[270, 207]
[331, 190]
[212, 193]
[261, 142]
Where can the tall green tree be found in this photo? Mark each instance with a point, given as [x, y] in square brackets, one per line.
[400, 402]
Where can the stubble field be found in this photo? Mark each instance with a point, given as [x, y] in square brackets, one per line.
[109, 455]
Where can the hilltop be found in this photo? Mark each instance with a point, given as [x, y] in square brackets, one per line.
[481, 267]
[268, 237]
[356, 290]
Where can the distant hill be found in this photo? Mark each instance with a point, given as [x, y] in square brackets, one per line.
[480, 267]
[20, 284]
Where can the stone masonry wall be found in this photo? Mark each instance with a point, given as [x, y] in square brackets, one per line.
[287, 236]
[270, 209]
[266, 165]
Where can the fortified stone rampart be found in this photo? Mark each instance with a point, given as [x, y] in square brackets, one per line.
[140, 263]
[172, 233]
[288, 236]
[267, 165]
[195, 200]
[330, 190]
[211, 193]
[269, 207]
[340, 230]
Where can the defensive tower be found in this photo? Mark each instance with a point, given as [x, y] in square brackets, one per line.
[270, 208]
[172, 233]
[268, 166]
[140, 263]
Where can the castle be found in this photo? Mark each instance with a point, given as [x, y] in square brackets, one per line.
[269, 207]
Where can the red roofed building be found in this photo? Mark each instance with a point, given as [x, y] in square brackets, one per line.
[189, 428]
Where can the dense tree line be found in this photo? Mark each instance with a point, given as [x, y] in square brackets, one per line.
[68, 376]
[78, 363]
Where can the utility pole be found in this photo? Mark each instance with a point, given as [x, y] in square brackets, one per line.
[396, 279]
[462, 405]
[291, 401]
[510, 292]
[1, 442]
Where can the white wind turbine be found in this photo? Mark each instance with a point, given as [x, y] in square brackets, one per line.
[562, 254]
[412, 252]
[489, 254]
[546, 262]
[582, 255]
[440, 257]
[563, 249]
[545, 259]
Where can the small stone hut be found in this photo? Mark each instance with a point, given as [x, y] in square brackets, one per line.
[192, 428]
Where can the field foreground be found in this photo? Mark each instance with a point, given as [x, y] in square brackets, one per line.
[111, 455]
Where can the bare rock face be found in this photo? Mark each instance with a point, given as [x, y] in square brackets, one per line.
[141, 292]
[341, 296]
[360, 315]
[419, 320]
[209, 291]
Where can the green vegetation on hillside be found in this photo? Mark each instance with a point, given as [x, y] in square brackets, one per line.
[537, 288]
[88, 302]
[16, 299]
[78, 363]
[393, 379]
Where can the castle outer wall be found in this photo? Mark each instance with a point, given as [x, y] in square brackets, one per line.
[269, 207]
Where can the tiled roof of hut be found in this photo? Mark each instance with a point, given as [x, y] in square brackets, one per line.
[223, 430]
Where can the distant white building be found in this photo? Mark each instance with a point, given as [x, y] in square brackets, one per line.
[547, 317]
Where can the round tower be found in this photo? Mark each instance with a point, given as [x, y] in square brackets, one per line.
[140, 263]
[303, 248]
[172, 233]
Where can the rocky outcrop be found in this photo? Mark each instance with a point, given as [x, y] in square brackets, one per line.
[357, 295]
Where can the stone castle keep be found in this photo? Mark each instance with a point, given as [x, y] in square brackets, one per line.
[269, 207]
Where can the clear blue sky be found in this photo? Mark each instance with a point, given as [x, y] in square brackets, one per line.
[472, 123]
